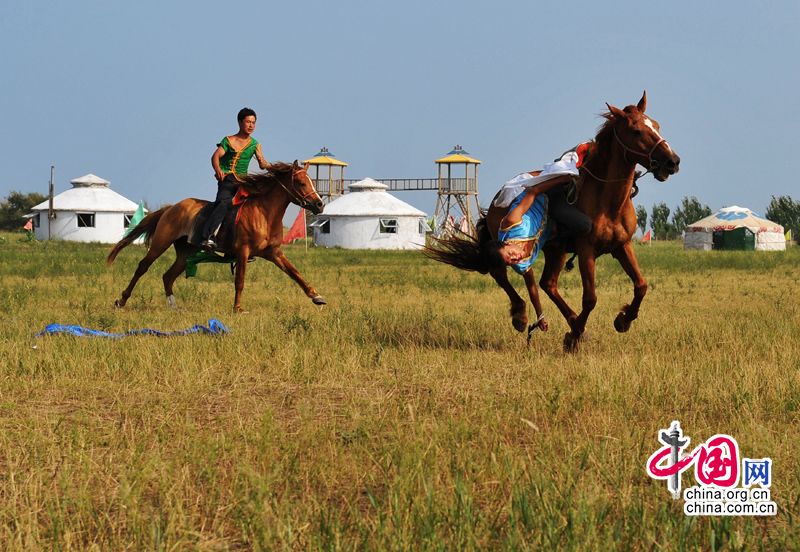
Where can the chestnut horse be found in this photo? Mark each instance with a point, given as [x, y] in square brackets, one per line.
[607, 177]
[258, 232]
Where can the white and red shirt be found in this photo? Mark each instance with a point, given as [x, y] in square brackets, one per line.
[568, 163]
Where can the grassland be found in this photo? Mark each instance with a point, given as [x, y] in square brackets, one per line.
[406, 414]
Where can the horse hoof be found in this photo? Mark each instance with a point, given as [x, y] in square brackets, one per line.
[520, 324]
[572, 322]
[118, 304]
[171, 302]
[571, 343]
[319, 300]
[621, 323]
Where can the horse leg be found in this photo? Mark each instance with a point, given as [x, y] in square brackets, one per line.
[586, 262]
[280, 260]
[182, 250]
[519, 318]
[157, 248]
[553, 264]
[241, 266]
[627, 259]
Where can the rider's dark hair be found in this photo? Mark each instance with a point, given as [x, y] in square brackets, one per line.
[245, 112]
[491, 254]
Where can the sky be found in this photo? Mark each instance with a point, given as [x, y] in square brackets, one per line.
[140, 92]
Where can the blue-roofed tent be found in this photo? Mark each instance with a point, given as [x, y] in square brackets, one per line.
[711, 232]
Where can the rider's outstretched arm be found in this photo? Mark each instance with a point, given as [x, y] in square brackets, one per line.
[262, 161]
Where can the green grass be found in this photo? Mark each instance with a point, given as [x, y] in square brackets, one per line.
[406, 414]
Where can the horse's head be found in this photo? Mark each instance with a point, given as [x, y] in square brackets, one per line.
[640, 138]
[301, 189]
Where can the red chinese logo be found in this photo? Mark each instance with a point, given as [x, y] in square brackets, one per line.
[716, 462]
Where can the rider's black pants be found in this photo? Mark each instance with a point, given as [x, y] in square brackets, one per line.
[225, 191]
[571, 221]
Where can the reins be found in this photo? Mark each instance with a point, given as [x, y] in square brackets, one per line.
[603, 180]
[300, 200]
[634, 187]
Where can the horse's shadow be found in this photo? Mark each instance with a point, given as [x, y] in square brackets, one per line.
[444, 335]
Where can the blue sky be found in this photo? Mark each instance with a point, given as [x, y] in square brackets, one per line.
[140, 92]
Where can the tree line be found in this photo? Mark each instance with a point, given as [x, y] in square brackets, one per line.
[15, 206]
[783, 210]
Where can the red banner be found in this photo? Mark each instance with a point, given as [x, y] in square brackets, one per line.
[298, 229]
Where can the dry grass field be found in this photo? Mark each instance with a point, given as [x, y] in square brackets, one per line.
[406, 414]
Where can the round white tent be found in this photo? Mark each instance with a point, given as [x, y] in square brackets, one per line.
[734, 228]
[368, 217]
[88, 212]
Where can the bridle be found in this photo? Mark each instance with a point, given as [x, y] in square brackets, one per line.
[652, 163]
[301, 200]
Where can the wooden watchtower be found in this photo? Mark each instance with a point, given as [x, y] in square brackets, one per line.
[329, 186]
[458, 192]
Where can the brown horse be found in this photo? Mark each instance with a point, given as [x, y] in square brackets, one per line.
[258, 232]
[607, 177]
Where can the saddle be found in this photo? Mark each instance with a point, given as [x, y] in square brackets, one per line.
[227, 230]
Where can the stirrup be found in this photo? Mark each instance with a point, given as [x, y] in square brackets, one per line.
[532, 328]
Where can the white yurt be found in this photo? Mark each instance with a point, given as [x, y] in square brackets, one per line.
[735, 228]
[368, 217]
[88, 212]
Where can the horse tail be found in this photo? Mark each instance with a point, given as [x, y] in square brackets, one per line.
[145, 228]
[467, 252]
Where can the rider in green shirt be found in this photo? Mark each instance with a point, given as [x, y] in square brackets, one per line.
[231, 160]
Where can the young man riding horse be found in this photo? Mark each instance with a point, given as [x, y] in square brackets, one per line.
[231, 161]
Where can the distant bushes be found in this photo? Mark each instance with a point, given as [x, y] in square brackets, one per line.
[15, 207]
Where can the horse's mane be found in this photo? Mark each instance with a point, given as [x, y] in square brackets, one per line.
[261, 182]
[605, 134]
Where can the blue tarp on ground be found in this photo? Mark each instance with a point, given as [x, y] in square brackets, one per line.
[215, 327]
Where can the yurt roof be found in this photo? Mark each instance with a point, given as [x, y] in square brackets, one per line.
[89, 193]
[730, 218]
[89, 180]
[368, 198]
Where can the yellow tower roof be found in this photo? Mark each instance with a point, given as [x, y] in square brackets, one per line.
[458, 155]
[324, 157]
